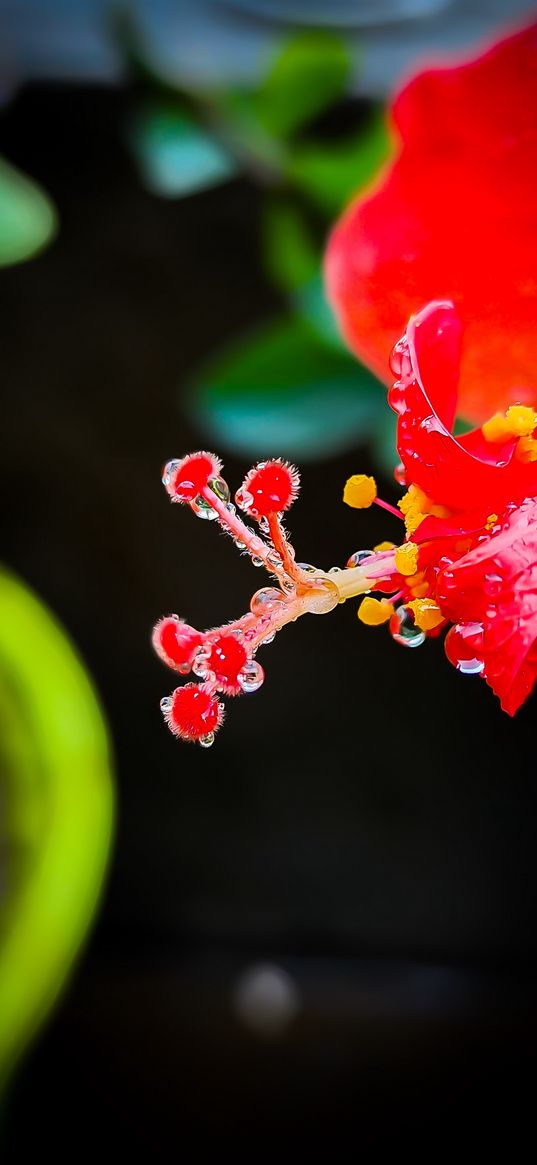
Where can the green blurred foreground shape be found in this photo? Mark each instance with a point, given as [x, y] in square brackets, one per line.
[56, 812]
[28, 219]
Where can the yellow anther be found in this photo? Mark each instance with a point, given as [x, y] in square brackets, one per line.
[414, 505]
[406, 558]
[415, 498]
[427, 614]
[491, 521]
[522, 420]
[374, 612]
[518, 421]
[384, 546]
[526, 449]
[360, 491]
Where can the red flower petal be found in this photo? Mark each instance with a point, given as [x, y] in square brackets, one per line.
[452, 472]
[454, 216]
[495, 586]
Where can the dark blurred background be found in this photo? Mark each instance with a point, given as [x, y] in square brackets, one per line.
[324, 928]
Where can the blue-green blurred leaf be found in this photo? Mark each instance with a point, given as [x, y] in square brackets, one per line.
[175, 156]
[283, 392]
[310, 74]
[56, 794]
[290, 255]
[310, 302]
[333, 173]
[27, 217]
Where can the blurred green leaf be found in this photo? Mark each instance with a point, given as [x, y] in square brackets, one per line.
[310, 74]
[27, 217]
[57, 811]
[290, 255]
[312, 305]
[331, 174]
[282, 392]
[176, 157]
[385, 452]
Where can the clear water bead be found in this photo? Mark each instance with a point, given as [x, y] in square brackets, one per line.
[307, 567]
[220, 488]
[251, 677]
[207, 740]
[400, 363]
[358, 557]
[403, 629]
[203, 509]
[274, 559]
[470, 667]
[166, 704]
[200, 665]
[266, 600]
[243, 499]
[399, 474]
[327, 596]
[169, 470]
[257, 561]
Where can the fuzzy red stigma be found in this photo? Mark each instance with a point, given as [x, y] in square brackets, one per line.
[176, 643]
[226, 662]
[185, 479]
[269, 488]
[193, 713]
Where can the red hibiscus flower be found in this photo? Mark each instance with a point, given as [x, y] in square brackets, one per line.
[454, 216]
[471, 515]
[454, 221]
[469, 557]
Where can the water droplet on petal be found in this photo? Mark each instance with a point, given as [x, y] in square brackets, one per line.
[203, 509]
[463, 644]
[307, 567]
[243, 499]
[166, 704]
[169, 470]
[251, 677]
[266, 600]
[403, 628]
[326, 595]
[400, 358]
[274, 559]
[493, 584]
[200, 665]
[257, 561]
[399, 474]
[207, 740]
[358, 557]
[397, 396]
[220, 488]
